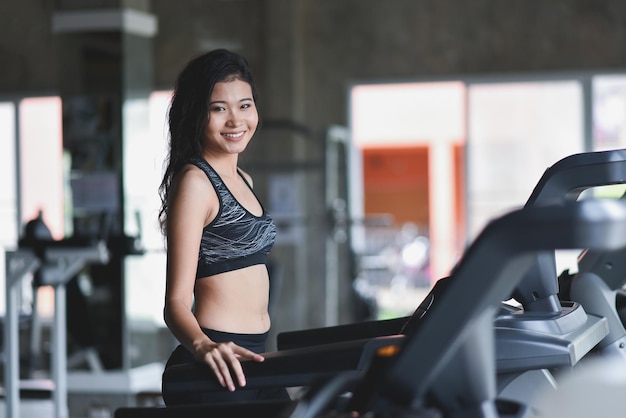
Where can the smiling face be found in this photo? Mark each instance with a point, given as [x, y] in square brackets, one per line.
[233, 118]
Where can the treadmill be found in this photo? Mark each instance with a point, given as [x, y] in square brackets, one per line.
[546, 333]
[446, 363]
[543, 334]
[456, 380]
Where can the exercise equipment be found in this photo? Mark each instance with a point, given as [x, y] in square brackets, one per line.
[531, 339]
[413, 379]
[447, 360]
[53, 263]
[543, 334]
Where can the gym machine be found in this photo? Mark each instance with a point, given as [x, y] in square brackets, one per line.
[53, 263]
[543, 334]
[446, 363]
[549, 332]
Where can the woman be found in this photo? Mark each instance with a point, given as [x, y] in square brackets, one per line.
[218, 233]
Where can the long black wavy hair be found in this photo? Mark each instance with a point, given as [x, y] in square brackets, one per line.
[189, 110]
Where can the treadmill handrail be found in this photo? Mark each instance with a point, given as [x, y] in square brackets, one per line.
[337, 333]
[285, 368]
[562, 182]
[569, 177]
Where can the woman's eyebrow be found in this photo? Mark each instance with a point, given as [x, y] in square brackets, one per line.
[224, 101]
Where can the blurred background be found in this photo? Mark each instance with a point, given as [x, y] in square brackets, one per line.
[392, 131]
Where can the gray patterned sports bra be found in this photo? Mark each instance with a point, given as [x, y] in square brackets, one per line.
[236, 238]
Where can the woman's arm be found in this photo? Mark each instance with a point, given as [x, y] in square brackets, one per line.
[193, 203]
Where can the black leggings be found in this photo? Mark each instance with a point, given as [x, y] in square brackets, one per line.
[253, 342]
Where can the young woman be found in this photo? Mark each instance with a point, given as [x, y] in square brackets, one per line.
[218, 233]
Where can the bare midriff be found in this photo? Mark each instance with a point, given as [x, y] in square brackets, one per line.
[235, 301]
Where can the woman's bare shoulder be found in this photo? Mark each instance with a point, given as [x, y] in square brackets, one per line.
[191, 182]
[190, 176]
[193, 196]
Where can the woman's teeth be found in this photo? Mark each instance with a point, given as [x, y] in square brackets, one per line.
[237, 135]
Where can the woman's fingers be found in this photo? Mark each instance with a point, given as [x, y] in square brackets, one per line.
[236, 368]
[224, 361]
[247, 354]
[220, 369]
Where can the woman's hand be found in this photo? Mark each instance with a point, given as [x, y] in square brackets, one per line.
[223, 359]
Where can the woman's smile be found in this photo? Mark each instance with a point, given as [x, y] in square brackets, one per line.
[234, 135]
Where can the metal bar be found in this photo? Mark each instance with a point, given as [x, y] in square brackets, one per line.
[17, 264]
[59, 353]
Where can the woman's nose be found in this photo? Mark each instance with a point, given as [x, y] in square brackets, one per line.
[233, 118]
